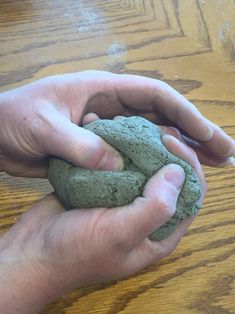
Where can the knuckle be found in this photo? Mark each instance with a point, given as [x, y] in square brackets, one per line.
[43, 125]
[174, 132]
[120, 243]
[89, 72]
[151, 252]
[165, 210]
[168, 250]
[165, 250]
[94, 153]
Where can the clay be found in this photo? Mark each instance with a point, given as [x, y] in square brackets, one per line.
[139, 142]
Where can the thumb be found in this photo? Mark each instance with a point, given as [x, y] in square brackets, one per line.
[165, 185]
[82, 147]
[155, 208]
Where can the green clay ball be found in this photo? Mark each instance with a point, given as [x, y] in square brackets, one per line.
[139, 143]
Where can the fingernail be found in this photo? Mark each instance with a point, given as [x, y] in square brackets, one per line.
[175, 175]
[169, 130]
[168, 137]
[232, 150]
[111, 160]
[118, 163]
[230, 161]
[209, 134]
[163, 129]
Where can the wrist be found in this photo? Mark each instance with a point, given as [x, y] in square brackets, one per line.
[25, 286]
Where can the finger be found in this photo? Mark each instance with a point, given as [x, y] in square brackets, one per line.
[220, 144]
[204, 154]
[81, 147]
[197, 148]
[134, 91]
[135, 222]
[89, 117]
[184, 152]
[165, 130]
[136, 95]
[141, 95]
[206, 157]
[172, 131]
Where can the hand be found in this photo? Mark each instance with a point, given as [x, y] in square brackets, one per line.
[43, 118]
[49, 251]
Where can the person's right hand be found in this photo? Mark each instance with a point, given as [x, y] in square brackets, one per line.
[50, 251]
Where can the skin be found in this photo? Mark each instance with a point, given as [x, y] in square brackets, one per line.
[45, 254]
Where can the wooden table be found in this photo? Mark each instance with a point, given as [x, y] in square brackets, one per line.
[191, 45]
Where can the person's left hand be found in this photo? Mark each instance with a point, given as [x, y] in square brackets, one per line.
[50, 251]
[44, 118]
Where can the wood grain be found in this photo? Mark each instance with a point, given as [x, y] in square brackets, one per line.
[191, 45]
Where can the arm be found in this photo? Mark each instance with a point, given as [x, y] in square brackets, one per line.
[37, 252]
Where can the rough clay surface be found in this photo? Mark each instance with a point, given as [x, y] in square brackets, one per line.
[139, 142]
